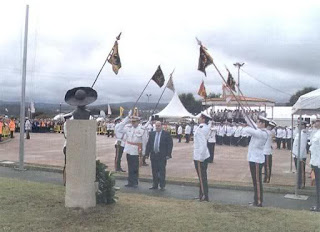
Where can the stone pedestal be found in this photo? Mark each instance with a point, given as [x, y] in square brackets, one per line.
[81, 164]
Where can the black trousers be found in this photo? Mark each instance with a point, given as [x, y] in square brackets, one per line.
[133, 169]
[237, 140]
[289, 144]
[27, 134]
[227, 140]
[187, 138]
[284, 141]
[317, 175]
[244, 141]
[179, 137]
[211, 151]
[267, 168]
[201, 168]
[219, 139]
[117, 160]
[11, 134]
[301, 172]
[158, 166]
[278, 140]
[256, 170]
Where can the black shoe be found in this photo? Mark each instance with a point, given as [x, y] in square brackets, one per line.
[153, 188]
[120, 170]
[162, 189]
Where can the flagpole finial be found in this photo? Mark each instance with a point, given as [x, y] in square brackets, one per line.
[199, 42]
[118, 37]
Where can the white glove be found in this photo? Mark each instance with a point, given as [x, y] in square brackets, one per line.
[150, 118]
[130, 113]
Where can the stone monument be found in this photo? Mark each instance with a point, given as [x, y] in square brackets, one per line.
[81, 150]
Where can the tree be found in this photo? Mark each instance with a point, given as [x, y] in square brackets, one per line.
[190, 103]
[214, 95]
[294, 98]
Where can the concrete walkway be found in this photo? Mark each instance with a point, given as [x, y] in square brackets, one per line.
[217, 195]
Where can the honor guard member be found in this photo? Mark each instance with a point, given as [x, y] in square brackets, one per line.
[119, 145]
[201, 154]
[256, 158]
[111, 126]
[187, 132]
[179, 133]
[145, 137]
[303, 154]
[279, 136]
[220, 134]
[28, 128]
[212, 142]
[268, 152]
[64, 149]
[133, 147]
[315, 162]
[288, 138]
[237, 135]
[1, 128]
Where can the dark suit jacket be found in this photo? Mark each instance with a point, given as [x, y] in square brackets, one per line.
[165, 146]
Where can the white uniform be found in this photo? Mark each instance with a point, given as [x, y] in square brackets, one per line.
[268, 146]
[315, 149]
[180, 130]
[133, 136]
[188, 129]
[200, 150]
[237, 132]
[256, 146]
[303, 146]
[212, 135]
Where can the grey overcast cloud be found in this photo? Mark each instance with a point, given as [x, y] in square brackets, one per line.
[69, 40]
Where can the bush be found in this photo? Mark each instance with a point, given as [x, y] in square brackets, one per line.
[106, 182]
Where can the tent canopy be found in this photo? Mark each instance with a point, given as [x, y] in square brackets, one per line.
[308, 103]
[174, 109]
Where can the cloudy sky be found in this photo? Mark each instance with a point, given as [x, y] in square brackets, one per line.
[69, 40]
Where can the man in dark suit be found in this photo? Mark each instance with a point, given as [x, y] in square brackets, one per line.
[159, 147]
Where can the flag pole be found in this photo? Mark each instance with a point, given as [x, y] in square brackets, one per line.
[117, 38]
[141, 94]
[162, 93]
[232, 92]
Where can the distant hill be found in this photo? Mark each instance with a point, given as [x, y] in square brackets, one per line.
[50, 110]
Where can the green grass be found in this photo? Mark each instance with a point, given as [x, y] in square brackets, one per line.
[28, 206]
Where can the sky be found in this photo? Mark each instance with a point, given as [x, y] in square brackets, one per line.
[68, 41]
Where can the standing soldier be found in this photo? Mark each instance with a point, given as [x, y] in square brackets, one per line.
[1, 128]
[28, 128]
[256, 157]
[288, 138]
[201, 154]
[133, 147]
[187, 132]
[267, 151]
[212, 142]
[119, 145]
[179, 133]
[12, 127]
[303, 154]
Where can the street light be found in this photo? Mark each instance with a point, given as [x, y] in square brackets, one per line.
[238, 65]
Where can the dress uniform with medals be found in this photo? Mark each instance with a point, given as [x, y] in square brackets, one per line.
[267, 151]
[133, 147]
[201, 154]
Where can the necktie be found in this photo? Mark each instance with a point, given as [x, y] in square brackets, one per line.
[156, 147]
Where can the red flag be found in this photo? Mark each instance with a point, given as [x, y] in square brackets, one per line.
[202, 90]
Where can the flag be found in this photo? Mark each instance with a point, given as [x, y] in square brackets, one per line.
[204, 60]
[121, 111]
[170, 84]
[230, 82]
[109, 110]
[158, 77]
[6, 110]
[202, 90]
[114, 58]
[32, 109]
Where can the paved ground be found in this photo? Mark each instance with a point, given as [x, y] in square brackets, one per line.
[222, 196]
[230, 164]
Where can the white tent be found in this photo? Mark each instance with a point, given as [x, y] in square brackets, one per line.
[308, 103]
[174, 109]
